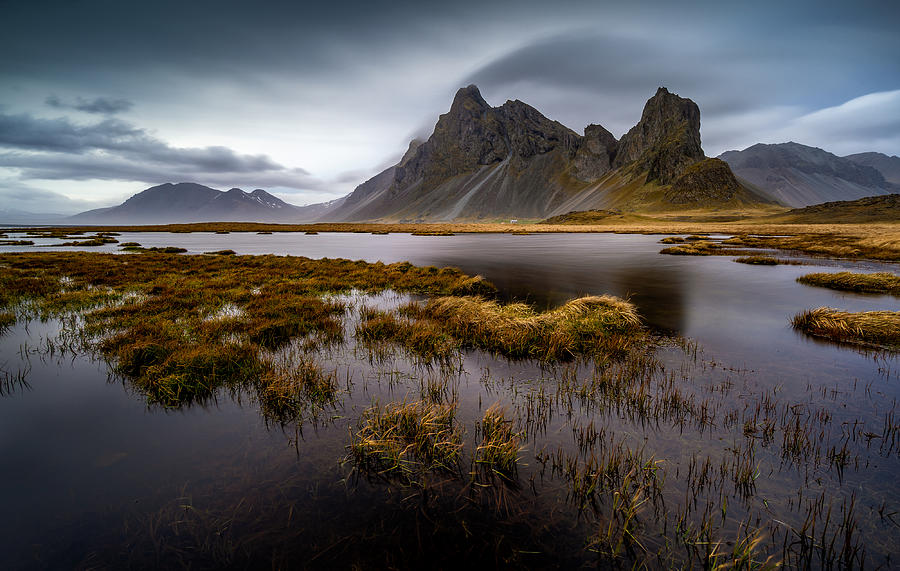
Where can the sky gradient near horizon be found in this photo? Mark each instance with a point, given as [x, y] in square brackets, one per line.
[100, 99]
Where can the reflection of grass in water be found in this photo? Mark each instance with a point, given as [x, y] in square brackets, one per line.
[880, 282]
[878, 328]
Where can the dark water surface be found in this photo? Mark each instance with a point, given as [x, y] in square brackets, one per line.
[93, 477]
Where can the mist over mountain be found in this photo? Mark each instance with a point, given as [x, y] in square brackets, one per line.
[798, 175]
[191, 202]
[484, 162]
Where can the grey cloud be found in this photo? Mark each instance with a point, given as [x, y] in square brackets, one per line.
[103, 166]
[99, 105]
[23, 197]
[118, 137]
[57, 149]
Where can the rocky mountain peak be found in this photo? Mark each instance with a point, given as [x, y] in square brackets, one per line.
[665, 140]
[596, 153]
[468, 101]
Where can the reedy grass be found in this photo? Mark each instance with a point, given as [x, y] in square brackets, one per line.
[289, 390]
[422, 338]
[874, 328]
[402, 441]
[150, 314]
[759, 260]
[499, 449]
[7, 320]
[880, 282]
[697, 248]
[586, 326]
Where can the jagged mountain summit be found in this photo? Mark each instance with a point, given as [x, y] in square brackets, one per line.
[191, 202]
[798, 175]
[511, 161]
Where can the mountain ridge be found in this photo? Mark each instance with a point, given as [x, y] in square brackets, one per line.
[512, 161]
[799, 175]
[193, 202]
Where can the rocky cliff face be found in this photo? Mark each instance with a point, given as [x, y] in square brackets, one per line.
[512, 161]
[665, 140]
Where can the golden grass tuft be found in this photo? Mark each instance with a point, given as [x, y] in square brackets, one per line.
[873, 328]
[404, 440]
[499, 448]
[7, 320]
[588, 325]
[881, 282]
[758, 260]
[696, 248]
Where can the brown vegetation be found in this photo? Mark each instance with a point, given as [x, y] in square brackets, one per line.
[872, 328]
[881, 282]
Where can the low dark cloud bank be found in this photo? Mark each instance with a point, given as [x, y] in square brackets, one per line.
[112, 149]
[99, 105]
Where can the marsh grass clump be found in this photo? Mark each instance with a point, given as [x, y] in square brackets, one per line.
[288, 391]
[403, 441]
[7, 320]
[498, 452]
[873, 328]
[880, 282]
[181, 327]
[672, 240]
[758, 260]
[221, 253]
[589, 325]
[424, 339]
[433, 233]
[698, 248]
[16, 242]
[100, 239]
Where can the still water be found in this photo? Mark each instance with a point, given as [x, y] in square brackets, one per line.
[94, 478]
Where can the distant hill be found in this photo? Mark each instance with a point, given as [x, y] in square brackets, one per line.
[14, 216]
[888, 166]
[484, 162]
[190, 202]
[884, 208]
[797, 175]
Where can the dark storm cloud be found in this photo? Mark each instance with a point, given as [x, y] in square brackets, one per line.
[112, 149]
[99, 105]
[311, 79]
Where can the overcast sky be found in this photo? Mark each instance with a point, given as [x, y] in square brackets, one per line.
[100, 99]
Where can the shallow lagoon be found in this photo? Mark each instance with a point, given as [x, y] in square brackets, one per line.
[95, 477]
